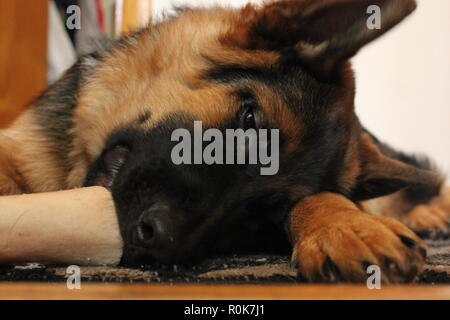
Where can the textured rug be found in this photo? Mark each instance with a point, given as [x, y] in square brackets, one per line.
[230, 269]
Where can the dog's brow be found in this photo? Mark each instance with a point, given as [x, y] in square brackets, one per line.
[234, 73]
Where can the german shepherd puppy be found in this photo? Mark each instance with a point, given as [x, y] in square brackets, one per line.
[284, 65]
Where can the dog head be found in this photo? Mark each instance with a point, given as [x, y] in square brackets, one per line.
[280, 66]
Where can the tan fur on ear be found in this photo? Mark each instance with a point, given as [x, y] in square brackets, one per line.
[378, 166]
[323, 32]
[381, 175]
[341, 45]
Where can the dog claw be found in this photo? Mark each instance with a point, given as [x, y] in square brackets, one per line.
[366, 264]
[294, 263]
[330, 270]
[391, 265]
[435, 234]
[407, 241]
[423, 252]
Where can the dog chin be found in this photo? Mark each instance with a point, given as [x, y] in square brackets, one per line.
[134, 255]
[103, 180]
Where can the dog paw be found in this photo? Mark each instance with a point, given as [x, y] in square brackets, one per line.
[342, 249]
[429, 221]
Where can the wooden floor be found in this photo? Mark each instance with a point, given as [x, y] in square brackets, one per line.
[227, 292]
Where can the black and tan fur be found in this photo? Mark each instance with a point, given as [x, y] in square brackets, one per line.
[290, 58]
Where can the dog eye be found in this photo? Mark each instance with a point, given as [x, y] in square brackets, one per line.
[249, 119]
[115, 158]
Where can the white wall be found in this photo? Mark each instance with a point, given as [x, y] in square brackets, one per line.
[160, 6]
[403, 83]
[403, 80]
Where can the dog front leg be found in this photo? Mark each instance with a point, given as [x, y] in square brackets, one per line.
[10, 180]
[75, 227]
[334, 241]
[430, 217]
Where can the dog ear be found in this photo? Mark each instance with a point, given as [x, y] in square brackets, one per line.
[323, 32]
[381, 175]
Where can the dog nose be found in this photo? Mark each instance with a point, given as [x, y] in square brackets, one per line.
[155, 229]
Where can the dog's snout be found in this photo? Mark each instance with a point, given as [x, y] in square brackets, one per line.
[156, 230]
[146, 230]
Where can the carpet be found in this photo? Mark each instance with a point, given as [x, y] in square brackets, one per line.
[225, 269]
